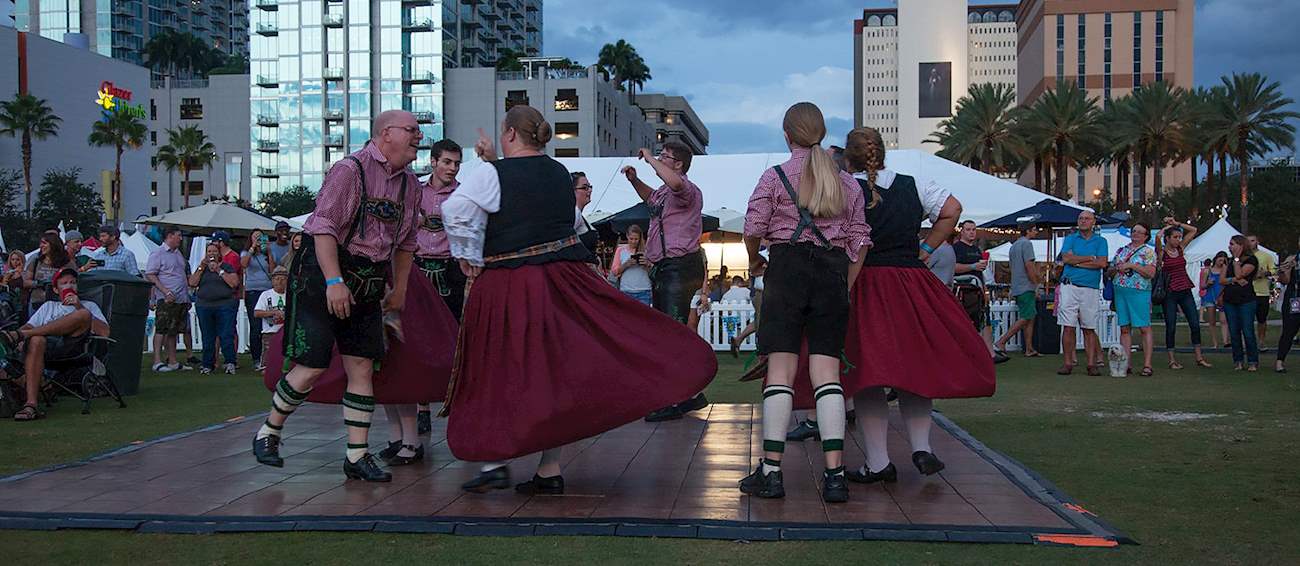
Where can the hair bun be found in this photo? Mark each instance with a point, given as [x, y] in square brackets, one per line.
[543, 133]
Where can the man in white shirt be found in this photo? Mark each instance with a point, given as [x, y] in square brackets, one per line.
[57, 330]
[270, 305]
[738, 293]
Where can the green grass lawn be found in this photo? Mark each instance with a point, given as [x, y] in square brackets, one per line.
[1213, 485]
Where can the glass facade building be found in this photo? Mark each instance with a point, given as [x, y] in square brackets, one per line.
[121, 28]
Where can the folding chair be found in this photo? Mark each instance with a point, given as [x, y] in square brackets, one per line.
[86, 376]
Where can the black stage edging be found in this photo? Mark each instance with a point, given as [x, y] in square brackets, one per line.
[1030, 482]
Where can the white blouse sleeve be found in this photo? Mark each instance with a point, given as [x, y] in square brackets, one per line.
[465, 213]
[933, 196]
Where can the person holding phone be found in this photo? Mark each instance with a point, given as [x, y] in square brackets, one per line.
[1238, 300]
[215, 281]
[632, 268]
[258, 263]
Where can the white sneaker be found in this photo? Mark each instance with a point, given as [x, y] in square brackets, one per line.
[230, 369]
[205, 371]
[162, 368]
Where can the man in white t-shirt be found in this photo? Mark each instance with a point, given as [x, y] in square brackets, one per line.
[270, 305]
[57, 330]
[738, 293]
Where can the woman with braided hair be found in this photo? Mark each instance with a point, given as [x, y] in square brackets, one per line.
[905, 331]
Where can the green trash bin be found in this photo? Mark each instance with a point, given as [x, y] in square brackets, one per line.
[127, 316]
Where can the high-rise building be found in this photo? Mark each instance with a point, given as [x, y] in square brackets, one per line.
[121, 28]
[1109, 49]
[674, 120]
[913, 62]
[218, 106]
[475, 33]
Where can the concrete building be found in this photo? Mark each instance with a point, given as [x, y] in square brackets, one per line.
[70, 80]
[218, 105]
[674, 119]
[912, 63]
[476, 32]
[121, 28]
[1109, 48]
[589, 115]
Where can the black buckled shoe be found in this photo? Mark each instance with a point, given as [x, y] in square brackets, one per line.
[891, 396]
[805, 430]
[496, 478]
[391, 450]
[669, 413]
[424, 422]
[693, 404]
[365, 469]
[834, 490]
[888, 475]
[398, 459]
[542, 486]
[927, 463]
[768, 486]
[267, 451]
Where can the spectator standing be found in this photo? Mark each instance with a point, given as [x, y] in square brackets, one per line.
[1263, 286]
[282, 244]
[738, 293]
[269, 307]
[632, 267]
[1211, 279]
[968, 275]
[112, 253]
[169, 273]
[943, 262]
[216, 280]
[1238, 300]
[1172, 243]
[1025, 279]
[756, 274]
[295, 246]
[1289, 275]
[39, 273]
[1135, 267]
[1085, 255]
[72, 243]
[257, 263]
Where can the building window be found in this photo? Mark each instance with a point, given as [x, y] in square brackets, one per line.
[191, 109]
[515, 97]
[1060, 46]
[153, 110]
[566, 99]
[1080, 189]
[234, 174]
[195, 188]
[566, 152]
[153, 188]
[1106, 72]
[1137, 49]
[1160, 45]
[566, 130]
[153, 137]
[1082, 53]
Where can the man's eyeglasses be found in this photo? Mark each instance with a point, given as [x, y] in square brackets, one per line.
[409, 129]
[665, 155]
[582, 188]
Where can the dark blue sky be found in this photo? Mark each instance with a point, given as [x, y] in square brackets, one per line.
[741, 63]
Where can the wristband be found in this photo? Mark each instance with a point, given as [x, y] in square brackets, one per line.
[927, 247]
[334, 281]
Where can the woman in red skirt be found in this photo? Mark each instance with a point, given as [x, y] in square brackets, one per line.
[813, 215]
[544, 357]
[906, 331]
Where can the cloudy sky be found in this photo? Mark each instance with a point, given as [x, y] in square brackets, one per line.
[743, 62]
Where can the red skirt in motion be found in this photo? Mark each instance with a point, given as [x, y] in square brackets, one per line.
[414, 371]
[552, 354]
[908, 332]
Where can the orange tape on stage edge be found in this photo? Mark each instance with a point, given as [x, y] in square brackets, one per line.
[1077, 540]
[1079, 508]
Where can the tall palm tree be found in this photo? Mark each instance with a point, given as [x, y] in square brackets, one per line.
[1154, 120]
[33, 119]
[982, 131]
[121, 131]
[1067, 119]
[637, 75]
[1217, 134]
[614, 58]
[1118, 149]
[187, 149]
[1257, 117]
[161, 52]
[1196, 142]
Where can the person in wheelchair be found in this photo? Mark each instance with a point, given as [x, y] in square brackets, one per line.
[57, 330]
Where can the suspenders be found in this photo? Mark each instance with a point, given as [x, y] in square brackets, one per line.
[805, 217]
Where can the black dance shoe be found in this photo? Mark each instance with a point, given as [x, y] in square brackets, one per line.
[891, 396]
[496, 478]
[768, 486]
[806, 429]
[267, 451]
[365, 469]
[391, 450]
[888, 475]
[693, 404]
[424, 422]
[669, 413]
[927, 463]
[398, 460]
[851, 416]
[542, 486]
[834, 490]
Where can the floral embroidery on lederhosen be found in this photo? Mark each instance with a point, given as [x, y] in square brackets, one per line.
[432, 223]
[384, 210]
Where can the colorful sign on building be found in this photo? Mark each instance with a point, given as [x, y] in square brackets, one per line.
[116, 100]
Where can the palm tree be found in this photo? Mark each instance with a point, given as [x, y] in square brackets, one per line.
[1067, 120]
[1257, 118]
[1154, 120]
[982, 131]
[1217, 134]
[1196, 141]
[35, 120]
[121, 131]
[161, 53]
[1118, 150]
[628, 69]
[187, 149]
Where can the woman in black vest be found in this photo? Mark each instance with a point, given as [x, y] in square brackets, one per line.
[906, 331]
[544, 358]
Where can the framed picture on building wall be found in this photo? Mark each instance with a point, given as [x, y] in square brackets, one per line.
[935, 90]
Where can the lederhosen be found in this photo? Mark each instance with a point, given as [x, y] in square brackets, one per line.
[806, 292]
[969, 290]
[674, 280]
[310, 331]
[444, 273]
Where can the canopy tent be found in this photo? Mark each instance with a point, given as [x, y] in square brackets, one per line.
[1049, 211]
[1116, 238]
[141, 246]
[639, 214]
[1214, 240]
[214, 216]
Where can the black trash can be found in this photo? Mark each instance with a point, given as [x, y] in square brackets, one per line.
[127, 316]
[1047, 334]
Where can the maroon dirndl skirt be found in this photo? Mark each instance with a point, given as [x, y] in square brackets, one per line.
[551, 354]
[414, 371]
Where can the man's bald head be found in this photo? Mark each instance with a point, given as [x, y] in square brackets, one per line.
[387, 119]
[397, 135]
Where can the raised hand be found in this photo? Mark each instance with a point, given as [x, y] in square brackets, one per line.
[484, 147]
[630, 172]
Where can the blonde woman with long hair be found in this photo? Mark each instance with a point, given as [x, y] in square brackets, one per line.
[813, 215]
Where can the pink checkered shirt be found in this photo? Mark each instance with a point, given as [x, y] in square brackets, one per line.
[340, 194]
[773, 216]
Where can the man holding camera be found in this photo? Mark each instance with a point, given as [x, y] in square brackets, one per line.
[112, 253]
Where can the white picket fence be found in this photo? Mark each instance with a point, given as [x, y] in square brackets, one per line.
[1004, 314]
[241, 341]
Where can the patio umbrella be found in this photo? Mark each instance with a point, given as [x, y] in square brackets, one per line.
[1050, 212]
[613, 225]
[214, 216]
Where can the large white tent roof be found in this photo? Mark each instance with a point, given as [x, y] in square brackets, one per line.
[1214, 240]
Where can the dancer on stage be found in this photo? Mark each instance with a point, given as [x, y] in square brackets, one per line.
[363, 225]
[813, 214]
[544, 357]
[906, 331]
[673, 246]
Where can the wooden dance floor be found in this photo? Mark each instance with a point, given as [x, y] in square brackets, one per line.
[675, 479]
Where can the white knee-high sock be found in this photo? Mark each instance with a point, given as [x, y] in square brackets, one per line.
[778, 403]
[916, 417]
[830, 409]
[873, 419]
[357, 411]
[285, 400]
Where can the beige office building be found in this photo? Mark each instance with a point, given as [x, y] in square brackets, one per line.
[1107, 47]
[912, 63]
